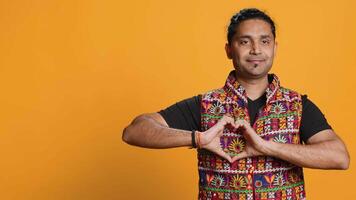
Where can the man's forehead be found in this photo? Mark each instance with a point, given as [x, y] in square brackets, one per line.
[254, 28]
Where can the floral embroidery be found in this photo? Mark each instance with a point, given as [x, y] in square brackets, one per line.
[217, 108]
[236, 146]
[218, 181]
[278, 108]
[258, 177]
[280, 138]
[238, 182]
[279, 180]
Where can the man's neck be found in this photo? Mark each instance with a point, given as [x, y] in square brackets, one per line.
[255, 88]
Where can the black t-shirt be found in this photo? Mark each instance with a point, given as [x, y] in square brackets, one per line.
[186, 115]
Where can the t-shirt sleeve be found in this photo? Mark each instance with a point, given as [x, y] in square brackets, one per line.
[313, 120]
[184, 115]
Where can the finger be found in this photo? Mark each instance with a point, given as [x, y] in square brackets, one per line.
[241, 155]
[226, 119]
[248, 126]
[221, 153]
[228, 115]
[250, 131]
[239, 124]
[240, 121]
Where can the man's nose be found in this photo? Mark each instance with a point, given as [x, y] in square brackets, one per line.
[255, 49]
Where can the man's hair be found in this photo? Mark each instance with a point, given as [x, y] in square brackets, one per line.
[245, 14]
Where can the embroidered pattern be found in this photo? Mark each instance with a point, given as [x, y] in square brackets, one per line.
[238, 182]
[236, 146]
[259, 177]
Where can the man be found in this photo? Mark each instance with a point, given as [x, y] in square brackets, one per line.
[253, 135]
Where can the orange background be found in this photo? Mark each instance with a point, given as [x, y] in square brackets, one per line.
[75, 73]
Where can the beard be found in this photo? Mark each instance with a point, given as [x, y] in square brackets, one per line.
[253, 70]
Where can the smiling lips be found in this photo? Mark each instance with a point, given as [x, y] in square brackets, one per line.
[255, 61]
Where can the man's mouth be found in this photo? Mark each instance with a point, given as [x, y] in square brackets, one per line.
[255, 61]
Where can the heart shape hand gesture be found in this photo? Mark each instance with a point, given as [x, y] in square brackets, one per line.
[210, 139]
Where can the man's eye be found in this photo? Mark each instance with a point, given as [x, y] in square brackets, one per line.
[243, 42]
[265, 41]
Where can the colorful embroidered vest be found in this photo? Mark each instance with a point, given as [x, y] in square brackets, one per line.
[261, 177]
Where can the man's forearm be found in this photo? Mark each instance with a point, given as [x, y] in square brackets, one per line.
[146, 132]
[321, 155]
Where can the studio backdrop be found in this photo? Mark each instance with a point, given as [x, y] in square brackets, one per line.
[74, 74]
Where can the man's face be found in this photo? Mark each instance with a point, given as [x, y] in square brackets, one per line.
[252, 48]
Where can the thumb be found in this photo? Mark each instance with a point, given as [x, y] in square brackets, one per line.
[241, 155]
[221, 153]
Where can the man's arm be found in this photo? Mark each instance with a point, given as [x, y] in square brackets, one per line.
[151, 131]
[324, 150]
[167, 128]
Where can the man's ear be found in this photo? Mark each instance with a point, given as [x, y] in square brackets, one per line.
[228, 50]
[275, 48]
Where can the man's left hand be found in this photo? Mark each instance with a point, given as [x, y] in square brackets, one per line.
[255, 145]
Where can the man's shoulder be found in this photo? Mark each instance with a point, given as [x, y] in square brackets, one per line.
[288, 90]
[293, 93]
[215, 90]
[213, 93]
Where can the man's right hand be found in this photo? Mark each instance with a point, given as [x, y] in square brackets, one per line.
[210, 139]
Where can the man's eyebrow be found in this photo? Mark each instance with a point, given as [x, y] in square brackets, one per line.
[249, 37]
[265, 36]
[244, 36]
